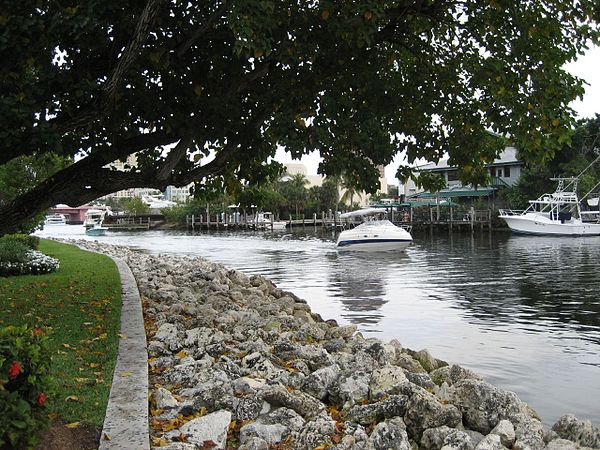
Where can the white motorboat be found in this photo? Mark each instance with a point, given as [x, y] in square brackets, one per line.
[94, 217]
[55, 219]
[556, 214]
[266, 221]
[374, 235]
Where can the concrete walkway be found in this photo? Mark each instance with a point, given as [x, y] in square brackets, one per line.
[126, 421]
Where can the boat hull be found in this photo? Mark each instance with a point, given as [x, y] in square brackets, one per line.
[531, 225]
[96, 231]
[373, 245]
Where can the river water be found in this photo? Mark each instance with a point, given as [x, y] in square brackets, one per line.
[522, 311]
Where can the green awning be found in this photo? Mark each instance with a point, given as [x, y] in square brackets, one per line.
[454, 193]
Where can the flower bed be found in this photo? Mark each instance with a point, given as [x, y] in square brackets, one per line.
[18, 259]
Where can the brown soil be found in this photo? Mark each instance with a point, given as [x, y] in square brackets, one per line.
[59, 437]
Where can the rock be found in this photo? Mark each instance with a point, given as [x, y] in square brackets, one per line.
[212, 427]
[164, 399]
[393, 406]
[179, 446]
[319, 382]
[490, 442]
[433, 438]
[407, 362]
[421, 379]
[506, 431]
[290, 419]
[343, 332]
[247, 385]
[384, 380]
[302, 403]
[427, 361]
[441, 375]
[580, 431]
[561, 444]
[270, 433]
[315, 432]
[529, 432]
[458, 373]
[351, 389]
[483, 405]
[255, 443]
[457, 440]
[170, 335]
[424, 411]
[247, 408]
[389, 435]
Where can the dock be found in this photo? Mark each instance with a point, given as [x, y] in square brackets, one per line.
[421, 218]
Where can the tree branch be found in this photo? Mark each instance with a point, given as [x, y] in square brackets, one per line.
[182, 48]
[131, 51]
[173, 158]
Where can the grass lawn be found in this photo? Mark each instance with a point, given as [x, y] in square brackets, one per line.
[80, 307]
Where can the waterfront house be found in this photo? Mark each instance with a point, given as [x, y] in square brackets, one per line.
[504, 171]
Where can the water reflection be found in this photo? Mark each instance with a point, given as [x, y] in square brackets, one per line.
[359, 281]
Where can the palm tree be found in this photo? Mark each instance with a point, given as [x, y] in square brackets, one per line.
[350, 185]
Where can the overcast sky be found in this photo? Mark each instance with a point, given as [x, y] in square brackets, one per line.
[586, 67]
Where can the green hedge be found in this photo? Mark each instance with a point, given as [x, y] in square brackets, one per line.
[28, 240]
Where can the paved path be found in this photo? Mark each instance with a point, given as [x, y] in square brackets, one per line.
[126, 421]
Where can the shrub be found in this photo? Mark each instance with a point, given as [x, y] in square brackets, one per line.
[30, 241]
[24, 368]
[17, 259]
[12, 251]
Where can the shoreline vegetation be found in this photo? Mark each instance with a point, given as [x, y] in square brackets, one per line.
[236, 362]
[78, 307]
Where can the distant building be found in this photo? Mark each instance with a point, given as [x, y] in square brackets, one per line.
[178, 194]
[172, 193]
[300, 169]
[504, 171]
[361, 198]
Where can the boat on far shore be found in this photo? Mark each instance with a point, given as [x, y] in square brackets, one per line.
[557, 214]
[55, 219]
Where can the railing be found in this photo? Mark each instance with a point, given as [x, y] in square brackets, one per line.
[510, 212]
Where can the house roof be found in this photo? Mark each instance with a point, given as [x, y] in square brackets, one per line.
[508, 156]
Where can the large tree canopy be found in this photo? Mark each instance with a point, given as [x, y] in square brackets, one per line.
[222, 83]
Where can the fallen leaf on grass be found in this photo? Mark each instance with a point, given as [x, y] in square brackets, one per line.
[81, 380]
[73, 425]
[72, 398]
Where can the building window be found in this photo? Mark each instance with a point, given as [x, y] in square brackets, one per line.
[507, 172]
[493, 172]
[499, 172]
[452, 175]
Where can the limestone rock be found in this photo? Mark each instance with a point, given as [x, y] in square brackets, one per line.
[425, 411]
[164, 399]
[389, 435]
[270, 433]
[384, 380]
[490, 442]
[506, 431]
[457, 440]
[579, 431]
[212, 427]
[483, 405]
